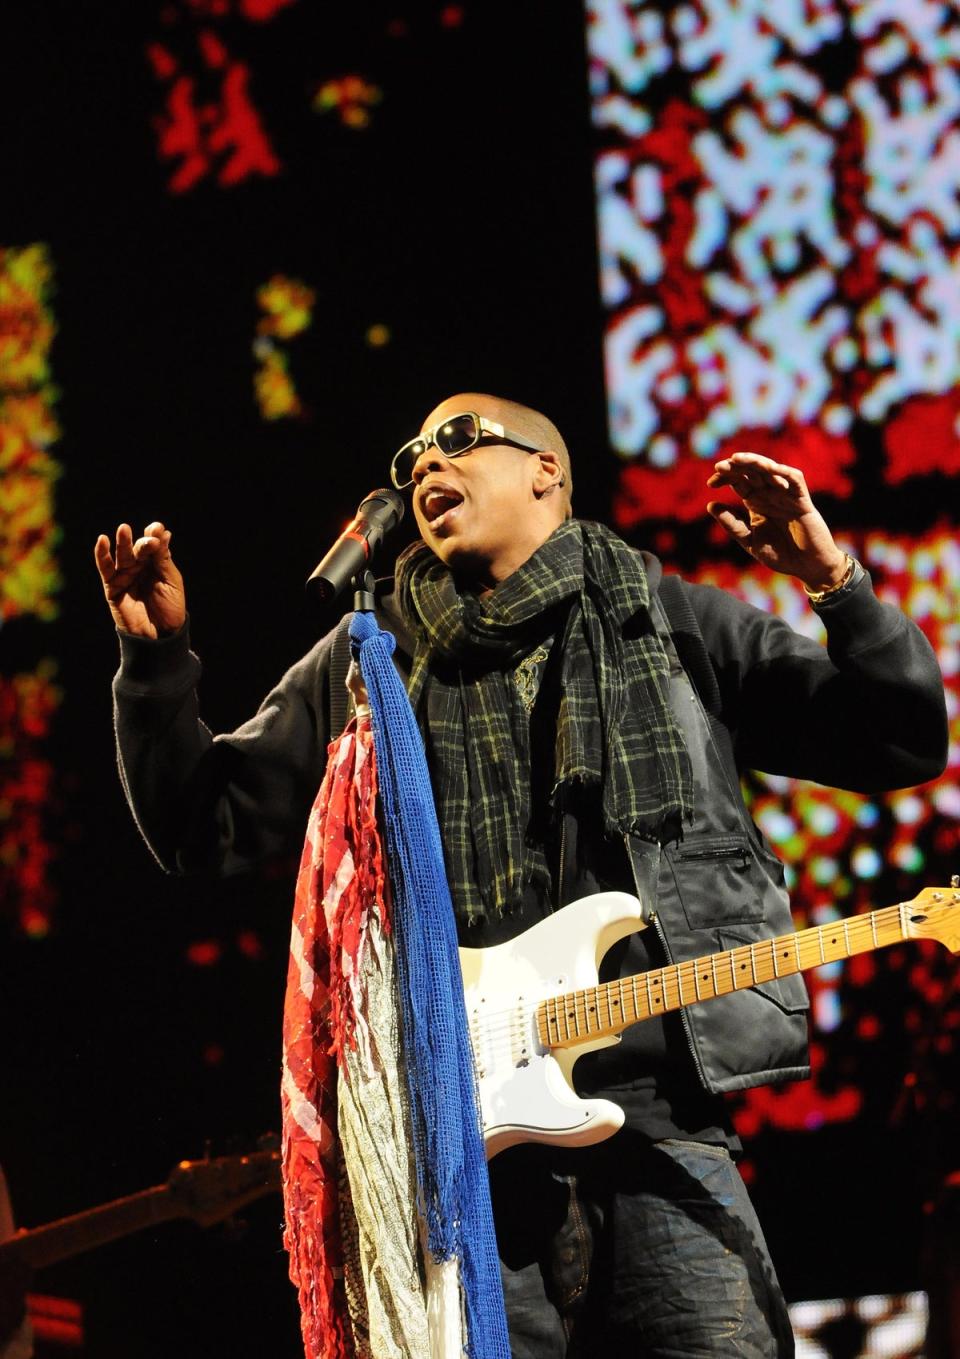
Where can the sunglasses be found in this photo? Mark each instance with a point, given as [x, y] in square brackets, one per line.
[453, 437]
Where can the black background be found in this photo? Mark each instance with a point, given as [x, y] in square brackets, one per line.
[463, 219]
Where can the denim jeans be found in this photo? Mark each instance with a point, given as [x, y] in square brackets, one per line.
[654, 1248]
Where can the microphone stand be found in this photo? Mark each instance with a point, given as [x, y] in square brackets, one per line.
[363, 585]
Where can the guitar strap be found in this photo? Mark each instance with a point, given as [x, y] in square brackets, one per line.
[339, 695]
[677, 627]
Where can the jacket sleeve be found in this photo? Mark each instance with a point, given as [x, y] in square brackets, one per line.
[866, 713]
[217, 802]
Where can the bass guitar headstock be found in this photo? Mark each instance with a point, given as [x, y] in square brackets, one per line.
[216, 1187]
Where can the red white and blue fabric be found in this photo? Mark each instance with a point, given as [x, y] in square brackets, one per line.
[341, 892]
[341, 880]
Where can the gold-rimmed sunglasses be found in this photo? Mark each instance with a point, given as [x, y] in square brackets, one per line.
[454, 437]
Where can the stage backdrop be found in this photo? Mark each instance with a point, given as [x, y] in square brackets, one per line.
[245, 245]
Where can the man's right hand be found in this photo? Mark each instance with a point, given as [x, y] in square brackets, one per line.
[143, 588]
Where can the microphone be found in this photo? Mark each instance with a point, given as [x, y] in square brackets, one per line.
[352, 552]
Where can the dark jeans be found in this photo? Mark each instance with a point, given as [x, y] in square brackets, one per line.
[651, 1247]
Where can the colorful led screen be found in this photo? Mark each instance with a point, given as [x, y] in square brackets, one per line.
[778, 209]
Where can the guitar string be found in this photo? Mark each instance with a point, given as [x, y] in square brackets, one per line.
[502, 1022]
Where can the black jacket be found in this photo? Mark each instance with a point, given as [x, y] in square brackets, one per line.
[866, 713]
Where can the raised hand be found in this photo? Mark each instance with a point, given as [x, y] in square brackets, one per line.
[777, 523]
[142, 585]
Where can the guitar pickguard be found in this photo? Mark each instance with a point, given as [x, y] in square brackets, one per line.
[526, 1090]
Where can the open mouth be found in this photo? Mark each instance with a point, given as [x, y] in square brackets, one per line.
[438, 502]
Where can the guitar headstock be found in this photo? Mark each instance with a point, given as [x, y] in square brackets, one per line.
[210, 1190]
[935, 914]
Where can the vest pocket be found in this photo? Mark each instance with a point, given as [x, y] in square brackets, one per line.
[788, 993]
[720, 880]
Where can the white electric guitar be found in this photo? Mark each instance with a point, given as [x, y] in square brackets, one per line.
[535, 1004]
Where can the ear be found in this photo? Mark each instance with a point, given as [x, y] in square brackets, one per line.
[547, 473]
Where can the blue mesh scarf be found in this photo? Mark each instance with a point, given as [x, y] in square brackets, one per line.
[451, 1166]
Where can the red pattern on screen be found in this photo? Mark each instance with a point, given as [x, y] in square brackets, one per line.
[680, 492]
[922, 438]
[220, 137]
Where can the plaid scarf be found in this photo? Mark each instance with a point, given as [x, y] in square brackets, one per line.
[615, 733]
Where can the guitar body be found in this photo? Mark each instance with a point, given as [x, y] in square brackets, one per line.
[526, 1090]
[535, 1004]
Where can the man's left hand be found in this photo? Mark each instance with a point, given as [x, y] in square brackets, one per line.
[777, 523]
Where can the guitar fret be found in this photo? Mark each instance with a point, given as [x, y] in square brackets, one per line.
[577, 1015]
[572, 1017]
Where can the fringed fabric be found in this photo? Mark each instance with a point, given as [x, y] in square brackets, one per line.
[352, 1241]
[453, 1186]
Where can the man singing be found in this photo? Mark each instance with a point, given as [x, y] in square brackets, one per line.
[586, 719]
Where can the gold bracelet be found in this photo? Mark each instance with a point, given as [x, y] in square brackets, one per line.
[817, 596]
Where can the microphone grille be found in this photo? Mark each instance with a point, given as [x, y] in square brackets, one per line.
[392, 497]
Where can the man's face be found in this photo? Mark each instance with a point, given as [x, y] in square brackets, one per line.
[473, 511]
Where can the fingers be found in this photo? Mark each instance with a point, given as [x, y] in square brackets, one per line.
[744, 477]
[155, 543]
[103, 557]
[110, 563]
[129, 555]
[768, 488]
[734, 519]
[123, 552]
[752, 472]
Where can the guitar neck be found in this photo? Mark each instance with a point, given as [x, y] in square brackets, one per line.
[610, 1007]
[95, 1227]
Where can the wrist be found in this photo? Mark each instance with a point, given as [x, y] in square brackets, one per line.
[826, 579]
[848, 582]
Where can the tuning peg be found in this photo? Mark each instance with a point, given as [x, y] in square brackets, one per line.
[955, 881]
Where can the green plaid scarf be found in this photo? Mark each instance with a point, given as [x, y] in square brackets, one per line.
[615, 731]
